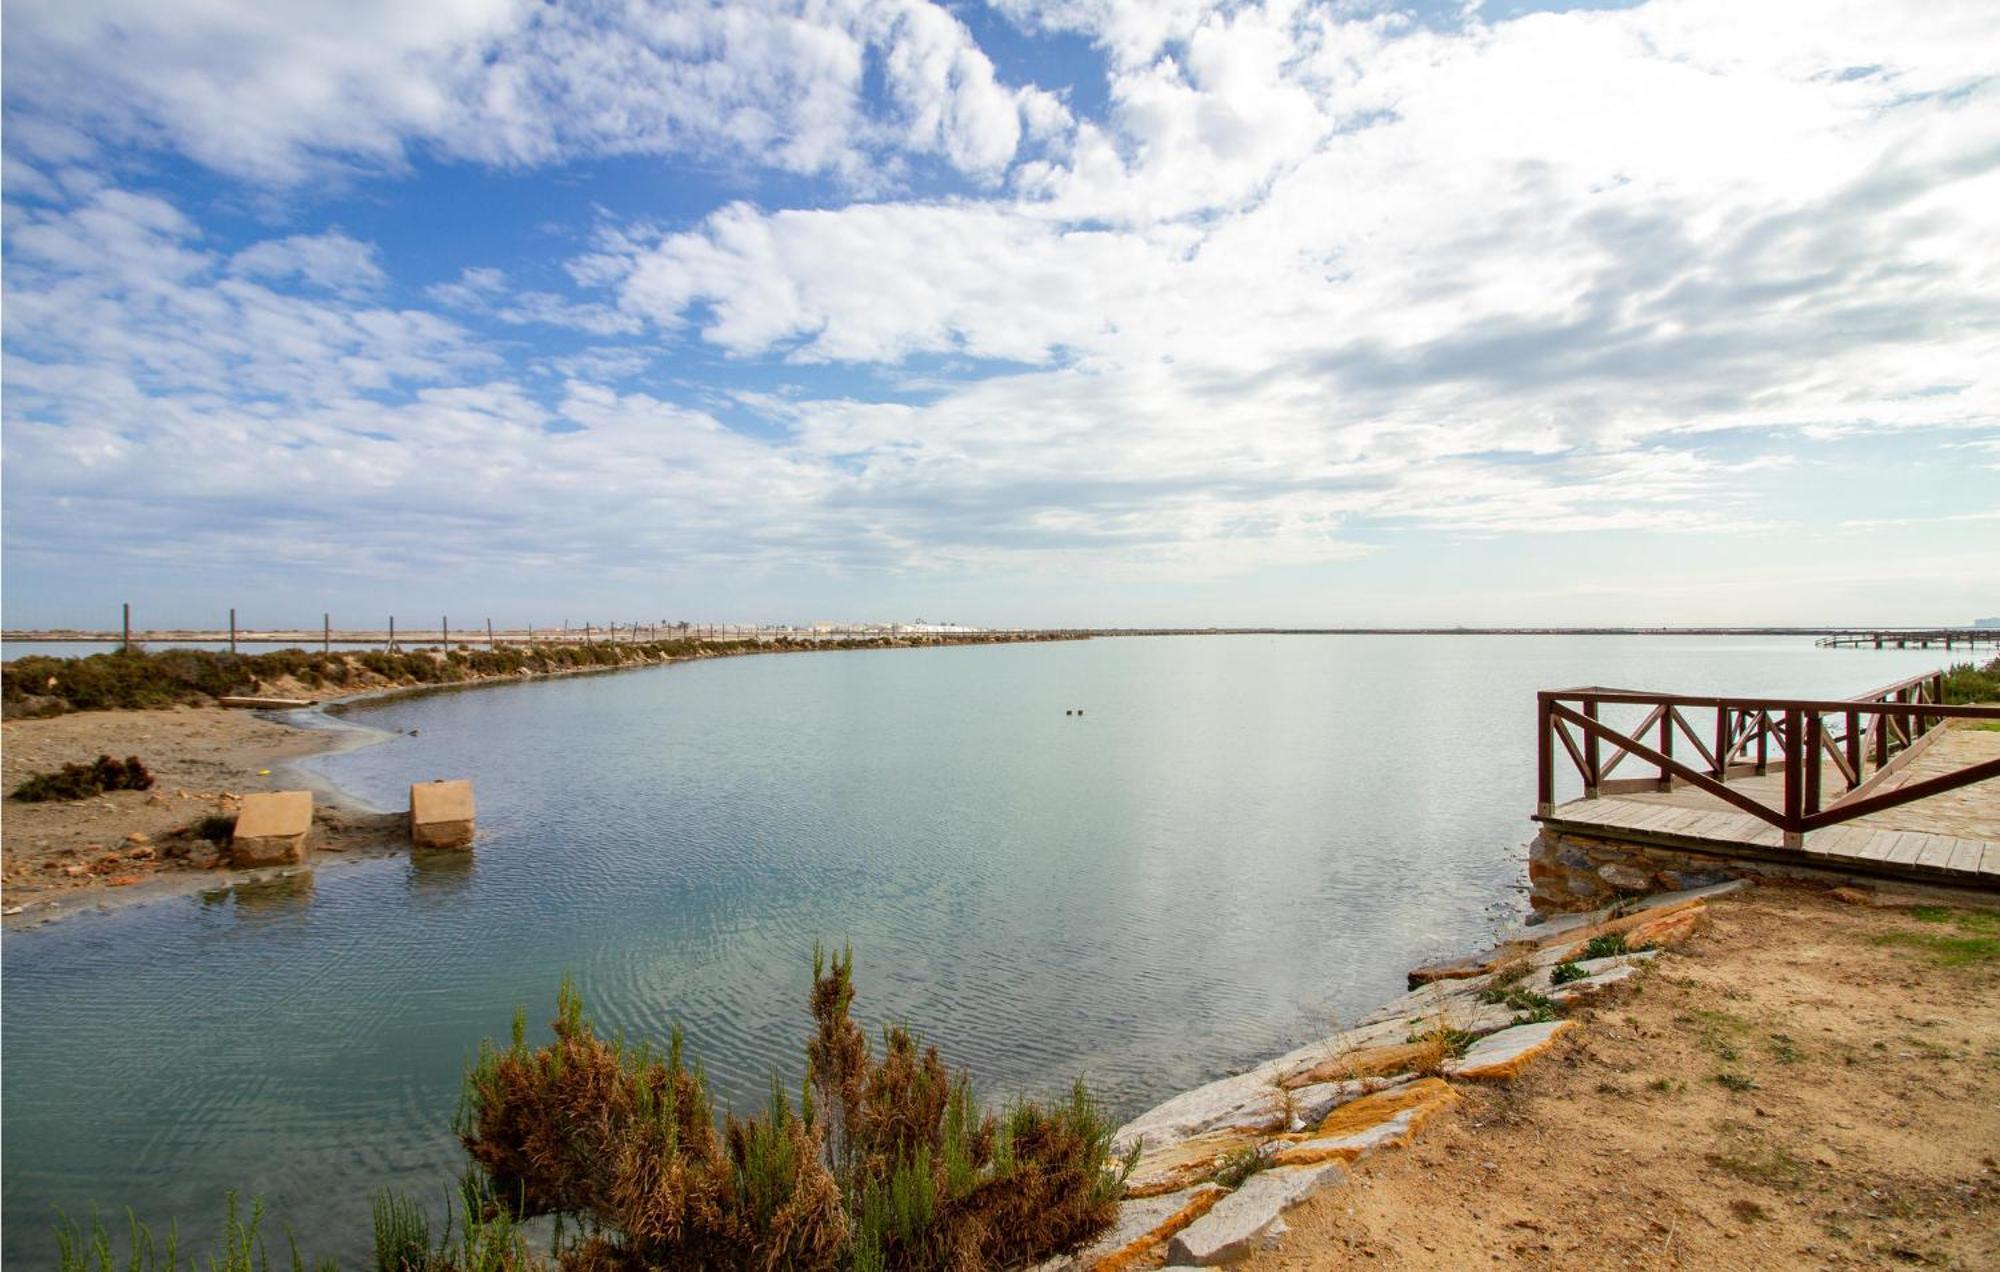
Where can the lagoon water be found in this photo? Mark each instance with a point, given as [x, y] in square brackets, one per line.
[1241, 841]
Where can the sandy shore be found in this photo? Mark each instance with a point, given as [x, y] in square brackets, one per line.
[1805, 1084]
[64, 856]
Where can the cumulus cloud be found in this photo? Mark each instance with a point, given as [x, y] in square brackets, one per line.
[1309, 281]
[278, 93]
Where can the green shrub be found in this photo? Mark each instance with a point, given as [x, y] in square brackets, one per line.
[1609, 945]
[1567, 971]
[1966, 682]
[81, 781]
[885, 1161]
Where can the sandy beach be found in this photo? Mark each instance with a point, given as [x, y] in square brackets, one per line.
[124, 846]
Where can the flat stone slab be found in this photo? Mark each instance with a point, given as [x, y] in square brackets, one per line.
[441, 814]
[1237, 1225]
[1502, 1055]
[1143, 1225]
[271, 829]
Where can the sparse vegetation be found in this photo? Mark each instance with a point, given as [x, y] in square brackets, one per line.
[81, 781]
[1239, 1166]
[1535, 1008]
[1566, 972]
[216, 828]
[884, 1162]
[1607, 945]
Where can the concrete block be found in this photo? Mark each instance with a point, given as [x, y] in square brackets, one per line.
[271, 829]
[441, 814]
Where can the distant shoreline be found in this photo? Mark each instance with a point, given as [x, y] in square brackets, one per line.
[476, 637]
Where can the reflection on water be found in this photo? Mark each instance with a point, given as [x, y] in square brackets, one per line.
[438, 877]
[259, 900]
[1242, 839]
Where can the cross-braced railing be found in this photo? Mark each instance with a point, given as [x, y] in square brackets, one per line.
[1839, 757]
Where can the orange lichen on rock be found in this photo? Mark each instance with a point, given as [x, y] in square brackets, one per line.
[1142, 1248]
[1425, 1096]
[1371, 1062]
[1666, 930]
[1628, 923]
[1174, 1167]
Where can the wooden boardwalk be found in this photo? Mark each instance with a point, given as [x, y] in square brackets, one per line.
[1951, 837]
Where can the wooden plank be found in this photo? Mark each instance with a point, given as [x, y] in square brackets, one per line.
[1656, 816]
[1989, 860]
[1877, 847]
[1965, 855]
[1904, 849]
[1935, 853]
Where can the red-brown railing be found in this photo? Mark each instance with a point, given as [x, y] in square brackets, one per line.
[1849, 748]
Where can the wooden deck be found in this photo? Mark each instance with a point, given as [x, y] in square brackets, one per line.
[1952, 837]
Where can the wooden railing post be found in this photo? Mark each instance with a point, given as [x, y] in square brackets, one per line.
[1854, 748]
[1815, 748]
[1725, 737]
[1593, 768]
[1666, 746]
[1545, 767]
[1763, 741]
[1795, 789]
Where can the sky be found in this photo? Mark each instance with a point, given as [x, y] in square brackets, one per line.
[1078, 312]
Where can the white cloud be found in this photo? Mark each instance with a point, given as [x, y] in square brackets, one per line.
[277, 93]
[1311, 282]
[332, 261]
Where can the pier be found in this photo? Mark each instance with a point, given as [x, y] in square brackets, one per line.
[1891, 783]
[1967, 638]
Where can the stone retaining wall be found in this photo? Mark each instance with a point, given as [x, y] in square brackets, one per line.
[1569, 872]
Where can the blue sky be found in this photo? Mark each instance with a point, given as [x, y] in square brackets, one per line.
[1041, 311]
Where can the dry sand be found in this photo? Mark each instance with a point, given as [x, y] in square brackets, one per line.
[1869, 1135]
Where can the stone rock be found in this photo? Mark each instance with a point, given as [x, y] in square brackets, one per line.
[1395, 1132]
[1504, 1054]
[1142, 1226]
[1687, 880]
[1667, 930]
[1246, 1101]
[1625, 878]
[1237, 1225]
[1852, 896]
[1173, 1167]
[441, 814]
[1364, 1062]
[271, 829]
[1424, 1096]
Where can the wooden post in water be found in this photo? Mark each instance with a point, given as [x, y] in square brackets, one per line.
[232, 631]
[489, 635]
[392, 634]
[444, 633]
[326, 633]
[125, 644]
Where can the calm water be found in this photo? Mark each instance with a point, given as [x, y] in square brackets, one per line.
[1243, 839]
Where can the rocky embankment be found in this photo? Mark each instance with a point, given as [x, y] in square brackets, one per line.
[1220, 1165]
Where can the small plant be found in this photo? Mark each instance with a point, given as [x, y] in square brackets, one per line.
[1607, 945]
[1537, 1008]
[1566, 972]
[1736, 1082]
[1784, 1050]
[216, 828]
[1239, 1166]
[81, 781]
